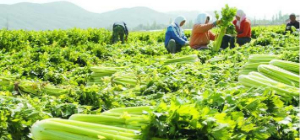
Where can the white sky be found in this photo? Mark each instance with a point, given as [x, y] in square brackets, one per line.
[253, 8]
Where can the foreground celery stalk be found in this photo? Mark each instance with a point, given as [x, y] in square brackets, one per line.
[102, 128]
[106, 69]
[47, 129]
[131, 110]
[100, 72]
[249, 65]
[257, 58]
[104, 119]
[40, 130]
[53, 90]
[185, 59]
[258, 81]
[218, 42]
[278, 73]
[6, 83]
[42, 134]
[287, 65]
[29, 87]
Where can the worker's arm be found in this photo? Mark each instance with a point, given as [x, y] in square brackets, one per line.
[171, 31]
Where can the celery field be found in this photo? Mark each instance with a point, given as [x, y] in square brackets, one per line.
[73, 84]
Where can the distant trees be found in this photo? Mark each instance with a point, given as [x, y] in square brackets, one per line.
[7, 23]
[275, 20]
[189, 24]
[154, 26]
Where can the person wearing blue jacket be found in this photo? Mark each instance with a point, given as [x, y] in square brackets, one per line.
[175, 38]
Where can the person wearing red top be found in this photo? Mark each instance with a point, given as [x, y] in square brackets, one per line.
[243, 29]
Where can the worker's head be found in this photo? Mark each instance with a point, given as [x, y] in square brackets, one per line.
[180, 20]
[202, 18]
[240, 15]
[293, 17]
[207, 19]
[182, 23]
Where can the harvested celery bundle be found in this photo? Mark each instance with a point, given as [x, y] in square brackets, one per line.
[129, 117]
[126, 80]
[54, 129]
[185, 59]
[256, 81]
[287, 65]
[279, 74]
[140, 110]
[115, 124]
[249, 65]
[100, 72]
[29, 87]
[125, 120]
[106, 70]
[257, 58]
[55, 91]
[6, 83]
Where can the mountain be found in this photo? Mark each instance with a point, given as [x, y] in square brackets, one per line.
[136, 16]
[48, 16]
[65, 15]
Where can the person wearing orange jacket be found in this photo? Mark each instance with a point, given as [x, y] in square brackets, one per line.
[243, 29]
[201, 34]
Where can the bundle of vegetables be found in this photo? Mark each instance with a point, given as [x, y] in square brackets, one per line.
[279, 74]
[287, 65]
[99, 72]
[59, 129]
[185, 59]
[115, 124]
[6, 83]
[226, 21]
[216, 59]
[258, 80]
[131, 117]
[292, 48]
[249, 67]
[28, 87]
[127, 79]
[140, 110]
[55, 91]
[37, 88]
[255, 60]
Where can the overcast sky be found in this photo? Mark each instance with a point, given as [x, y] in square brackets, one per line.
[253, 8]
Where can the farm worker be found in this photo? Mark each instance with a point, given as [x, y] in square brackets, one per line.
[174, 37]
[243, 29]
[119, 31]
[201, 34]
[293, 23]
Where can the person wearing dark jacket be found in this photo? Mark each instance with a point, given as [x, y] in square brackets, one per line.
[293, 23]
[119, 31]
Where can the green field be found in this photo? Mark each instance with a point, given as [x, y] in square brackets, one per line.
[49, 74]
